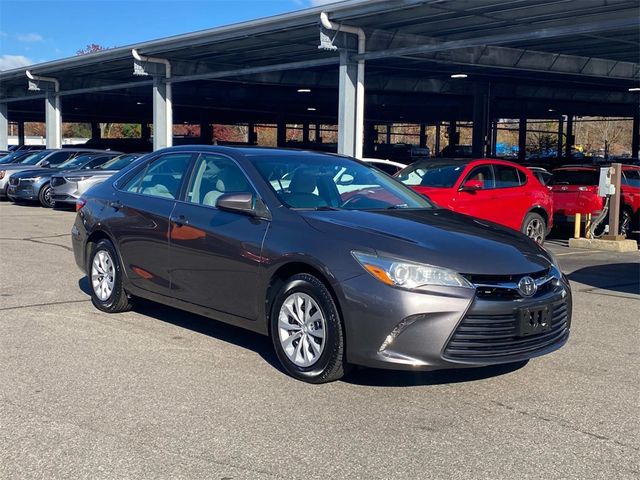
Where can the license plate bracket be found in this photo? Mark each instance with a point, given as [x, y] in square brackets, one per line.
[534, 320]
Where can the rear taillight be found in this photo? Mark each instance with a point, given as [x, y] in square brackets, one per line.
[81, 202]
[587, 188]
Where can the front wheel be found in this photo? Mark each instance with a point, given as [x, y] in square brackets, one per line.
[45, 196]
[306, 331]
[105, 279]
[535, 227]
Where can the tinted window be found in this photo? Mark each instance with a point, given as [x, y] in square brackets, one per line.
[507, 176]
[484, 174]
[162, 177]
[33, 158]
[575, 177]
[213, 176]
[631, 178]
[431, 175]
[58, 157]
[318, 181]
[118, 163]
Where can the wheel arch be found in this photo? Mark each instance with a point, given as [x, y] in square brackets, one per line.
[289, 269]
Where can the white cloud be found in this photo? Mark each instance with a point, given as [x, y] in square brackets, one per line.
[29, 37]
[7, 62]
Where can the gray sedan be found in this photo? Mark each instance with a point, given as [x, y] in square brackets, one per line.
[67, 187]
[360, 270]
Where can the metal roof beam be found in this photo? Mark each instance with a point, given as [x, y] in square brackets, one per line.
[547, 33]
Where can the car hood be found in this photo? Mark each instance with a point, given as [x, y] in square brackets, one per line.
[437, 237]
[37, 172]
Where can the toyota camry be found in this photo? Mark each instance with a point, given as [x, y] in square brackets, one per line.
[337, 262]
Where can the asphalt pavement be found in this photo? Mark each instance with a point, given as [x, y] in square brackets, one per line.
[158, 393]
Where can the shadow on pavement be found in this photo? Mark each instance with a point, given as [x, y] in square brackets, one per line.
[203, 325]
[618, 277]
[394, 378]
[262, 345]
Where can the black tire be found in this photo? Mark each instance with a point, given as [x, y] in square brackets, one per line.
[44, 196]
[535, 227]
[331, 364]
[118, 301]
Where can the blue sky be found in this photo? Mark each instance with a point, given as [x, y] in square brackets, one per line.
[34, 31]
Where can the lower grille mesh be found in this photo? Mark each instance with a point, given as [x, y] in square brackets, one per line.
[482, 337]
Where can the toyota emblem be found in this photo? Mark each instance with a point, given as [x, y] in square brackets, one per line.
[527, 287]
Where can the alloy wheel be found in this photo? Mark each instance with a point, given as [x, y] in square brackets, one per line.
[535, 230]
[301, 328]
[102, 275]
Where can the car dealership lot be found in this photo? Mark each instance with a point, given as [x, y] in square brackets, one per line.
[159, 393]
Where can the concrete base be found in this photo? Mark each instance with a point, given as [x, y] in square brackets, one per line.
[608, 245]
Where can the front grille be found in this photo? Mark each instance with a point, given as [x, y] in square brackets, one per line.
[486, 337]
[57, 181]
[14, 181]
[505, 287]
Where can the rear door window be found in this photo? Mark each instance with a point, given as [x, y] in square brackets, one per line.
[508, 177]
[162, 177]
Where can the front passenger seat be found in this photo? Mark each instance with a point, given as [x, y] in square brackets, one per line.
[228, 182]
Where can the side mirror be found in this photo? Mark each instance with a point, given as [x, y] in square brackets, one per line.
[243, 202]
[45, 164]
[472, 186]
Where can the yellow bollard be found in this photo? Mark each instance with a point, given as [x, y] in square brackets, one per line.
[576, 230]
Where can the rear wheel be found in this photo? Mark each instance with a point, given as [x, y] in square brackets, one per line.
[105, 279]
[306, 331]
[534, 227]
[45, 198]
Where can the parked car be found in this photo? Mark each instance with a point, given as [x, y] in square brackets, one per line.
[377, 277]
[575, 190]
[35, 184]
[14, 157]
[542, 174]
[68, 186]
[495, 190]
[40, 158]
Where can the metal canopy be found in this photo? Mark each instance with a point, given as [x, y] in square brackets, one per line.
[575, 56]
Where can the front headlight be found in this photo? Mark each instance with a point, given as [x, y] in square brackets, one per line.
[2, 172]
[29, 179]
[405, 274]
[78, 178]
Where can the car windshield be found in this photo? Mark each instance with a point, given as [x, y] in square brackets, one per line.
[33, 158]
[11, 157]
[77, 162]
[574, 177]
[438, 175]
[118, 163]
[332, 182]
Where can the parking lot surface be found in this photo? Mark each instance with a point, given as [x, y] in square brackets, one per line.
[159, 393]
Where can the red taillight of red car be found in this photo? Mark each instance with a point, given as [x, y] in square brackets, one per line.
[81, 202]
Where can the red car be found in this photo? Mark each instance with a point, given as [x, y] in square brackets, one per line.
[496, 190]
[575, 190]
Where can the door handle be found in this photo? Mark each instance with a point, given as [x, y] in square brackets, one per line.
[116, 204]
[179, 220]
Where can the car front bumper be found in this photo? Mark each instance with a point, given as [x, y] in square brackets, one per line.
[22, 192]
[446, 327]
[66, 192]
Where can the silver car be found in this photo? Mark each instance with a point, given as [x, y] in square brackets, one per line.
[68, 186]
[40, 158]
